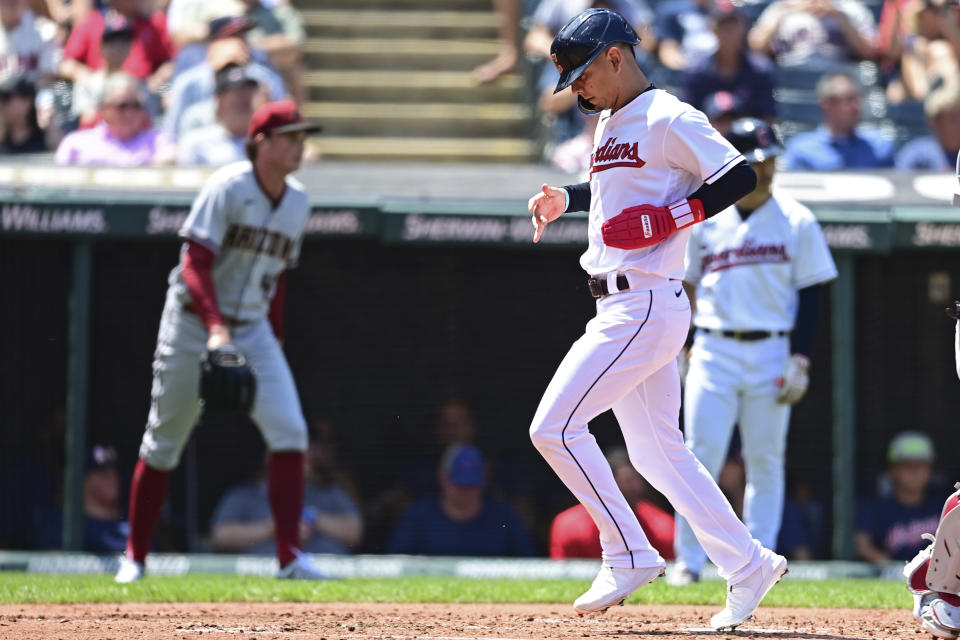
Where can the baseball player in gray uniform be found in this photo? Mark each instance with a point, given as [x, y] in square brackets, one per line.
[657, 168]
[242, 234]
[756, 268]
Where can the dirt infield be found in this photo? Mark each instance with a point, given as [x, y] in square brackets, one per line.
[336, 621]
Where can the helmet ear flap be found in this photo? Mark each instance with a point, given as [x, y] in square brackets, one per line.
[586, 107]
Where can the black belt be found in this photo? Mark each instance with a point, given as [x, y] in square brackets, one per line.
[745, 336]
[598, 286]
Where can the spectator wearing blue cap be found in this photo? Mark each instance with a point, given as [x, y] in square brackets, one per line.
[104, 527]
[462, 520]
[889, 527]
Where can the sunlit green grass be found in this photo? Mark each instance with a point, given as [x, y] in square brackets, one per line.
[39, 588]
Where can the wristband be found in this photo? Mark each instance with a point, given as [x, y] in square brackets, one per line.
[686, 212]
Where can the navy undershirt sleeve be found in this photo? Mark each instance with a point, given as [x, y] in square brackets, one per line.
[579, 196]
[808, 321]
[729, 188]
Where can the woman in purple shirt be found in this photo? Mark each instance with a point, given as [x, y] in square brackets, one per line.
[124, 136]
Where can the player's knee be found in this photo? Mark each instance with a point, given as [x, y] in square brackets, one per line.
[288, 435]
[543, 435]
[160, 458]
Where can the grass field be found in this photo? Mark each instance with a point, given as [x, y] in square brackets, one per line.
[18, 588]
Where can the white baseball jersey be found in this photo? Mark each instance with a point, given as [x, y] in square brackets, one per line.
[654, 150]
[254, 241]
[784, 248]
[29, 48]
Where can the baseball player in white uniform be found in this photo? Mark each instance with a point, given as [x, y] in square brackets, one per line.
[657, 168]
[243, 232]
[757, 268]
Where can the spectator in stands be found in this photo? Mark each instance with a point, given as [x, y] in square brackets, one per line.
[279, 33]
[732, 70]
[197, 84]
[937, 152]
[150, 54]
[124, 137]
[684, 37]
[222, 141]
[462, 520]
[21, 132]
[115, 45]
[930, 53]
[330, 523]
[104, 528]
[573, 533]
[722, 109]
[508, 30]
[814, 33]
[27, 43]
[839, 143]
[888, 528]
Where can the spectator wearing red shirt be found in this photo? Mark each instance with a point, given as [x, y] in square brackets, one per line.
[150, 54]
[573, 533]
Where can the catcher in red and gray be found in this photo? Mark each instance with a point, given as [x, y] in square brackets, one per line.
[218, 347]
[933, 576]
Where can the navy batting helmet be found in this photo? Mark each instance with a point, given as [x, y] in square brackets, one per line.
[586, 37]
[755, 139]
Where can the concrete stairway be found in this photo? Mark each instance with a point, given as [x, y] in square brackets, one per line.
[392, 80]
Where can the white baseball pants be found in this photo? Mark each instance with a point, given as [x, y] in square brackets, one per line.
[626, 361]
[175, 396]
[733, 382]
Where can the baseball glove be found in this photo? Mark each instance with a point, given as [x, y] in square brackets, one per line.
[227, 384]
[954, 310]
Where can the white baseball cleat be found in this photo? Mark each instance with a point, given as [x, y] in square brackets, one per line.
[129, 571]
[744, 597]
[302, 568]
[613, 585]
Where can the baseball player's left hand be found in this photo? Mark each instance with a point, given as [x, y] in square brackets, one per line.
[546, 206]
[795, 379]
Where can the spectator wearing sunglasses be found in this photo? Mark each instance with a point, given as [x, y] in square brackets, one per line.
[21, 133]
[124, 137]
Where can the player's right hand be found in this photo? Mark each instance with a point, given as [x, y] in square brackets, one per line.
[219, 335]
[545, 207]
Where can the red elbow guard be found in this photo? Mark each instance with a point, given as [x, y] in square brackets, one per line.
[645, 225]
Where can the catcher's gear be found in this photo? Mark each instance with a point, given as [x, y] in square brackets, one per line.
[584, 38]
[794, 380]
[941, 618]
[944, 568]
[755, 139]
[954, 310]
[227, 384]
[645, 225]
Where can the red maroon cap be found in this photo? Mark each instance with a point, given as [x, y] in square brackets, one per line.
[281, 116]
